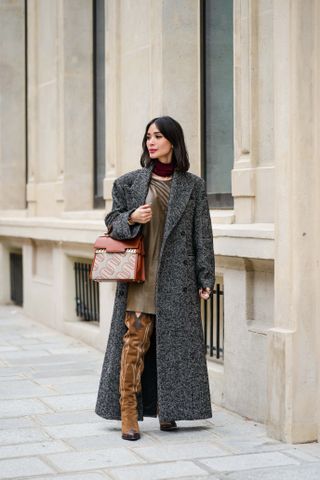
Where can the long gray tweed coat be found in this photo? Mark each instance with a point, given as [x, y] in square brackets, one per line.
[175, 377]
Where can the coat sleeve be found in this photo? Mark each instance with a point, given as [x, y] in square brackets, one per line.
[117, 220]
[203, 240]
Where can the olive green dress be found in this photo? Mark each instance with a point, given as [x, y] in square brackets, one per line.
[141, 296]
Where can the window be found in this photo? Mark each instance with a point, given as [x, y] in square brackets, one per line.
[217, 100]
[87, 293]
[212, 314]
[99, 100]
[16, 278]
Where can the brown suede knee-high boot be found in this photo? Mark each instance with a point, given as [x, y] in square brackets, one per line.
[136, 342]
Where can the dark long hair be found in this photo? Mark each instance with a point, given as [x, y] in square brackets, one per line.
[173, 132]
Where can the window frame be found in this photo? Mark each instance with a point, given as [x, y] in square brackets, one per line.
[221, 201]
[98, 200]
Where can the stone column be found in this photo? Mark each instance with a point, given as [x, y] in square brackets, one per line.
[76, 172]
[243, 173]
[45, 141]
[60, 106]
[112, 97]
[293, 393]
[252, 175]
[13, 108]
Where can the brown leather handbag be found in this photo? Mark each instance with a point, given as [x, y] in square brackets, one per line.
[118, 260]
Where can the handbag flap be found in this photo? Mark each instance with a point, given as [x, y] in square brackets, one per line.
[111, 245]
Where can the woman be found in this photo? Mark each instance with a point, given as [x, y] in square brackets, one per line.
[155, 359]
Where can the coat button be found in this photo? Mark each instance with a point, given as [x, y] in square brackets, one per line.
[185, 262]
[183, 233]
[184, 289]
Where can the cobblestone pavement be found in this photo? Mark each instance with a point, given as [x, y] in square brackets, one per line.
[48, 428]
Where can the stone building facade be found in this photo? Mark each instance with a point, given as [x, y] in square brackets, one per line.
[79, 79]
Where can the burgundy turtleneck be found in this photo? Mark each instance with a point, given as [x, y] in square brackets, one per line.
[163, 169]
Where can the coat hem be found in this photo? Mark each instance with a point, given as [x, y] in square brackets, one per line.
[177, 418]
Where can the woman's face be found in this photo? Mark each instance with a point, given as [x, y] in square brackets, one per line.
[158, 146]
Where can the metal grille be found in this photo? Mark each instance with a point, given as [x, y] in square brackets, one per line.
[16, 278]
[213, 323]
[87, 293]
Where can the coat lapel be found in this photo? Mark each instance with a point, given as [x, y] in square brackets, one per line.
[181, 188]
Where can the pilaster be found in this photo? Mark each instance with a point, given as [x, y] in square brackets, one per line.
[243, 173]
[293, 394]
[253, 172]
[12, 109]
[60, 106]
[112, 97]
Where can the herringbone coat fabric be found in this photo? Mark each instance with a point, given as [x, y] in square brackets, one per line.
[175, 379]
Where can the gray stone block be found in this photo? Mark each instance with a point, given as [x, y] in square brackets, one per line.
[85, 401]
[23, 355]
[21, 435]
[66, 379]
[208, 477]
[96, 442]
[63, 371]
[78, 461]
[310, 448]
[160, 453]
[42, 358]
[9, 377]
[8, 348]
[42, 346]
[21, 341]
[300, 454]
[10, 371]
[247, 462]
[77, 387]
[222, 417]
[17, 408]
[159, 471]
[251, 444]
[302, 472]
[31, 449]
[239, 429]
[80, 430]
[17, 422]
[82, 476]
[76, 417]
[73, 349]
[23, 467]
[187, 434]
[22, 389]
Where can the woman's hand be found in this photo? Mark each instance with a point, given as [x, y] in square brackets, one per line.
[205, 293]
[142, 214]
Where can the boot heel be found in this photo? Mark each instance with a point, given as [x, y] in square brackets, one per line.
[131, 435]
[168, 426]
[129, 425]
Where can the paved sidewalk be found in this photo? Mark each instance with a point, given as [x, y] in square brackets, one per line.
[48, 428]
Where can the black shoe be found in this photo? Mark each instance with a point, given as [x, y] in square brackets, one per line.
[131, 435]
[168, 426]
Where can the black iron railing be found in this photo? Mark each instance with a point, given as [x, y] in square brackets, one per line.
[213, 323]
[87, 293]
[16, 278]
